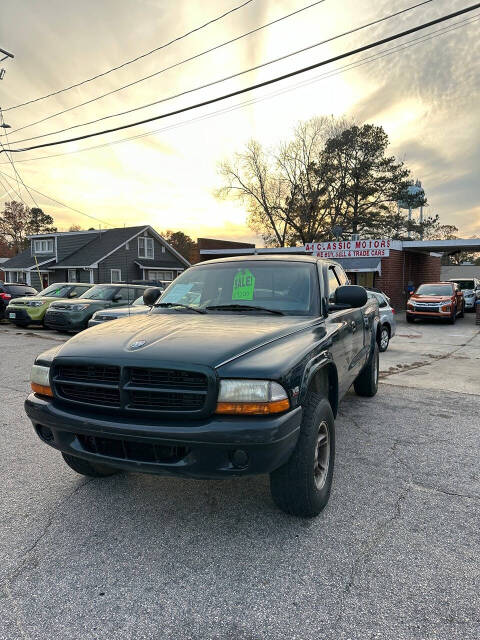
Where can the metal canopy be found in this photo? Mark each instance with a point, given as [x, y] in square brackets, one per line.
[443, 246]
[361, 265]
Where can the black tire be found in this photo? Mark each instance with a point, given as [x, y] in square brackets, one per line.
[366, 383]
[410, 319]
[21, 325]
[453, 317]
[301, 487]
[384, 338]
[85, 468]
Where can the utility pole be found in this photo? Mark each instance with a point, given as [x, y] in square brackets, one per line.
[6, 55]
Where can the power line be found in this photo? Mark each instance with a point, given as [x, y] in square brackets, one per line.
[6, 175]
[260, 84]
[185, 60]
[350, 66]
[127, 62]
[220, 80]
[9, 156]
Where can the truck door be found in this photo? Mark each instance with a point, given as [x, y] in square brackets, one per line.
[360, 335]
[341, 325]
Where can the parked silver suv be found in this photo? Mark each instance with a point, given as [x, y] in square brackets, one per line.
[388, 324]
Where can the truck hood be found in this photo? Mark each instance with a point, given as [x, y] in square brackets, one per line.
[210, 339]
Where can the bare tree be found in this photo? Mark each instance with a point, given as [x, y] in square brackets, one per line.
[284, 189]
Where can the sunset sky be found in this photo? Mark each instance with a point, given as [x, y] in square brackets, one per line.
[426, 97]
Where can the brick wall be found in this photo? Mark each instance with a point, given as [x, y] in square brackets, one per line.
[402, 268]
[211, 243]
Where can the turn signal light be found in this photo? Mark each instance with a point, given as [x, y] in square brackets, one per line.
[250, 408]
[41, 389]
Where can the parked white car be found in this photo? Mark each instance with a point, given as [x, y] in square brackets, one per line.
[471, 290]
[388, 323]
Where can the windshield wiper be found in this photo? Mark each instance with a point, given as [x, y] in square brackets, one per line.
[244, 307]
[179, 304]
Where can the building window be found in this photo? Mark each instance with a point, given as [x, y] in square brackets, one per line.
[163, 249]
[72, 275]
[161, 276]
[145, 247]
[115, 275]
[43, 246]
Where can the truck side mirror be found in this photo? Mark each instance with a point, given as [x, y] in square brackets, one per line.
[151, 295]
[351, 295]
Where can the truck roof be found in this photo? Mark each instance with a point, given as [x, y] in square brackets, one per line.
[270, 257]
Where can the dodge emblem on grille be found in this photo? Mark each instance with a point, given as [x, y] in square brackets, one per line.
[137, 344]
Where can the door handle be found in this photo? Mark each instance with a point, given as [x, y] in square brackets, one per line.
[353, 324]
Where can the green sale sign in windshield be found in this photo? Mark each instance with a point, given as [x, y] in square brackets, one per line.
[243, 285]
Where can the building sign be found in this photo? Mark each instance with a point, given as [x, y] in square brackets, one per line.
[350, 249]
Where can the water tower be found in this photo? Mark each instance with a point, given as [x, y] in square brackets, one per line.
[414, 198]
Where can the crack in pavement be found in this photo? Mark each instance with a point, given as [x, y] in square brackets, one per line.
[25, 556]
[446, 492]
[45, 529]
[368, 546]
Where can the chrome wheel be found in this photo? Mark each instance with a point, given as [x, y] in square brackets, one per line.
[384, 339]
[322, 456]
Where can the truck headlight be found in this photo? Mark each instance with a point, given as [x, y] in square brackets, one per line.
[254, 397]
[40, 380]
[34, 303]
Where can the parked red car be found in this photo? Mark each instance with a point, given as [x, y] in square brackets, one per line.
[436, 300]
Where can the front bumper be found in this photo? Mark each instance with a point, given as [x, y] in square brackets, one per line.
[191, 448]
[424, 313]
[470, 303]
[66, 321]
[24, 315]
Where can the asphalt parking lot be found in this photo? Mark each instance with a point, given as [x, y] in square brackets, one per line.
[396, 554]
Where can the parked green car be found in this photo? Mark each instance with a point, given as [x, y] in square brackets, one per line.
[69, 315]
[32, 309]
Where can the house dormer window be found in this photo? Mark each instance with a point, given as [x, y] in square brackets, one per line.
[145, 247]
[43, 246]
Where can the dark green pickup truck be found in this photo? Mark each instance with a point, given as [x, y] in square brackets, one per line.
[238, 369]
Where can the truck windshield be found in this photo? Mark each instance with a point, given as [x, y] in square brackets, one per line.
[434, 290]
[288, 287]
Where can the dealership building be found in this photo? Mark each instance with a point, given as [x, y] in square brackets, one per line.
[394, 266]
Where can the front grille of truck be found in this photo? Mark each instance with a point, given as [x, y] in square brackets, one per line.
[131, 450]
[135, 389]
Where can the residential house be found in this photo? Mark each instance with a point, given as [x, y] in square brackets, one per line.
[96, 256]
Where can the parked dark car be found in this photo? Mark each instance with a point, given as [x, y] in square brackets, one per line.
[436, 300]
[69, 315]
[10, 291]
[237, 370]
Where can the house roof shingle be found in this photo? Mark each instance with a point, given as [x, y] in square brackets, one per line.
[99, 247]
[25, 260]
